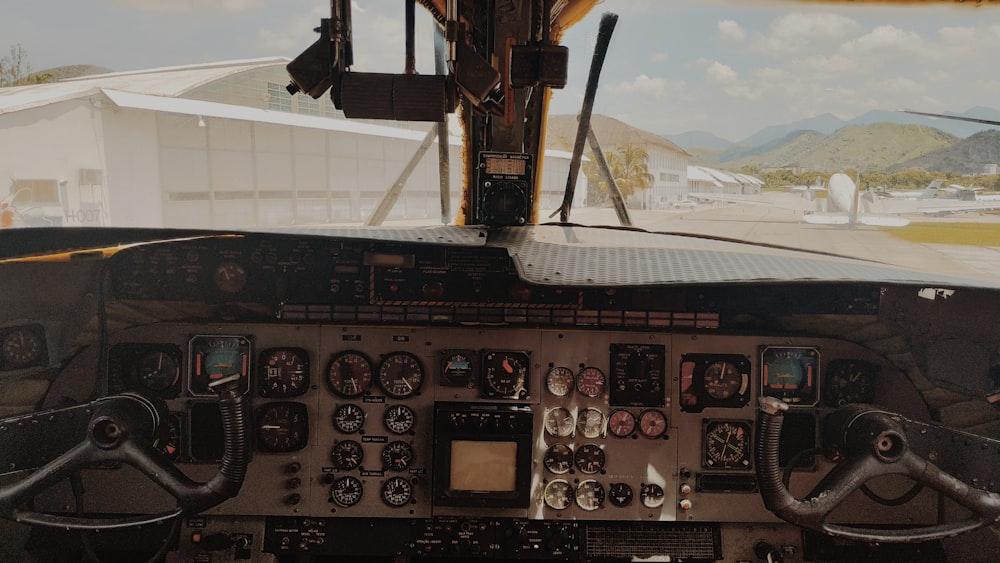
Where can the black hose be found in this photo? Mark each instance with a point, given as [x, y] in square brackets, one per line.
[772, 489]
[235, 425]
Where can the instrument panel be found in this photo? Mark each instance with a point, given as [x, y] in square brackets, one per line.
[543, 424]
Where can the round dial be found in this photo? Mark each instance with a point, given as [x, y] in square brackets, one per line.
[169, 439]
[651, 495]
[558, 494]
[591, 382]
[397, 456]
[620, 494]
[790, 374]
[652, 423]
[559, 422]
[558, 458]
[457, 369]
[400, 375]
[590, 459]
[399, 419]
[505, 374]
[348, 418]
[230, 277]
[348, 455]
[282, 427]
[22, 347]
[157, 370]
[347, 491]
[590, 423]
[727, 444]
[349, 374]
[284, 372]
[621, 423]
[589, 495]
[214, 358]
[723, 380]
[559, 381]
[397, 491]
[849, 381]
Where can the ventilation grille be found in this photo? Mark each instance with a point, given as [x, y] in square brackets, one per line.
[666, 542]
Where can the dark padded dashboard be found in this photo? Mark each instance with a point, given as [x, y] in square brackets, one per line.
[442, 383]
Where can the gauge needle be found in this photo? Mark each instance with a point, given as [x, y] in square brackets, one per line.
[506, 366]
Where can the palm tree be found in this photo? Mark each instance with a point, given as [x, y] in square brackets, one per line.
[629, 166]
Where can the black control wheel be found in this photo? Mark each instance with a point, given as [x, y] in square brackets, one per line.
[116, 429]
[872, 443]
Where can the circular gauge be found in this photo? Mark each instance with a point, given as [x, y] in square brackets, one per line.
[282, 427]
[589, 495]
[849, 381]
[349, 374]
[558, 458]
[559, 381]
[590, 423]
[397, 456]
[400, 375]
[348, 418]
[651, 495]
[157, 370]
[590, 459]
[22, 347]
[397, 491]
[347, 491]
[457, 369]
[214, 358]
[169, 439]
[620, 494]
[591, 382]
[652, 423]
[558, 494]
[230, 277]
[399, 419]
[621, 423]
[723, 380]
[790, 374]
[284, 372]
[348, 455]
[727, 444]
[559, 422]
[505, 374]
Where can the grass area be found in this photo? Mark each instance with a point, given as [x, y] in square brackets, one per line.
[969, 234]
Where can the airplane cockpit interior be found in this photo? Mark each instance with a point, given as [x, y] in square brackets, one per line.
[512, 387]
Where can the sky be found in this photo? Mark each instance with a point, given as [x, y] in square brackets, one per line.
[729, 67]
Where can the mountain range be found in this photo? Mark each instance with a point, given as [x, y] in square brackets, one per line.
[828, 123]
[877, 140]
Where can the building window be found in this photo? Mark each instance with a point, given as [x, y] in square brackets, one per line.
[663, 176]
[36, 192]
[278, 98]
[308, 105]
[673, 177]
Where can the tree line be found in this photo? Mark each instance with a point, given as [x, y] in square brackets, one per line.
[908, 179]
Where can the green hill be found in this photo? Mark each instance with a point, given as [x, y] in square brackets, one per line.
[878, 146]
[966, 156]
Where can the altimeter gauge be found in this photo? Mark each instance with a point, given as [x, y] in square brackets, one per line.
[284, 372]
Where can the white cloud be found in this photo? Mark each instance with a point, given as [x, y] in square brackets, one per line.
[884, 39]
[641, 84]
[729, 29]
[793, 32]
[187, 6]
